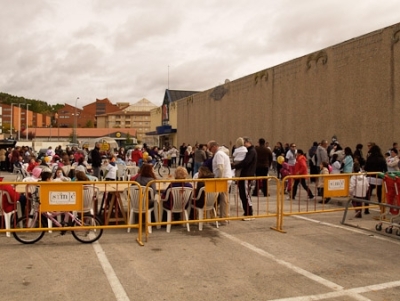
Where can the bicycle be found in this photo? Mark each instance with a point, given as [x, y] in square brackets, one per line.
[162, 169]
[70, 220]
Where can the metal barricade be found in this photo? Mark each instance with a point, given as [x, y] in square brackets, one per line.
[110, 201]
[335, 189]
[228, 199]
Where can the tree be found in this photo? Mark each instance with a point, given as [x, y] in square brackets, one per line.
[128, 140]
[89, 124]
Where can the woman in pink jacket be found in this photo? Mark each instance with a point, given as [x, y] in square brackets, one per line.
[301, 169]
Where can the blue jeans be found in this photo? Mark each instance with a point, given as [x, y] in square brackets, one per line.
[196, 167]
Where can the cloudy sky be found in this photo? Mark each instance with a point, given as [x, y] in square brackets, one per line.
[126, 50]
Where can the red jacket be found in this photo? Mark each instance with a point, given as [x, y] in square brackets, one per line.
[301, 166]
[136, 156]
[7, 207]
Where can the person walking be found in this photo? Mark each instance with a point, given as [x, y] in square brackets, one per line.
[291, 161]
[182, 150]
[375, 163]
[264, 161]
[248, 167]
[301, 169]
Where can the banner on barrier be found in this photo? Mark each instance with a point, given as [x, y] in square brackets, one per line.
[336, 186]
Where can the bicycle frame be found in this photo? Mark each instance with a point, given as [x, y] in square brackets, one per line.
[68, 220]
[69, 217]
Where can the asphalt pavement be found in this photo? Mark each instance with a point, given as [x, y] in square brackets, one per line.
[316, 259]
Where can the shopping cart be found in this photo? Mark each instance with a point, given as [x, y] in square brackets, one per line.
[392, 196]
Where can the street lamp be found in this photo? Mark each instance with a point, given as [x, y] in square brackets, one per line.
[75, 122]
[27, 120]
[11, 120]
[19, 122]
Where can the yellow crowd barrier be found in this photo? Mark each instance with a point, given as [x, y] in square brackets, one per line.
[117, 203]
[335, 187]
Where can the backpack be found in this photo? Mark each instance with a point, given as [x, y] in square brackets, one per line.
[285, 171]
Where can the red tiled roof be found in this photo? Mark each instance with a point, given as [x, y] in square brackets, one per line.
[80, 132]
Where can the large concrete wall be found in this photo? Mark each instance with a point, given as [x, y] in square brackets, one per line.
[350, 90]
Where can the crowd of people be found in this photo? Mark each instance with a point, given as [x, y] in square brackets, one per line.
[211, 160]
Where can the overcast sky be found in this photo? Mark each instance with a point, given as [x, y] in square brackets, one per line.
[127, 50]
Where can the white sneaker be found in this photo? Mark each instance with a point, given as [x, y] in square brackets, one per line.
[247, 219]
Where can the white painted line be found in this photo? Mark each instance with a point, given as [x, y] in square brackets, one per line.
[353, 293]
[115, 284]
[288, 265]
[351, 229]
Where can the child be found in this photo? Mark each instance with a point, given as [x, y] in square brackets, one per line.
[59, 176]
[111, 171]
[324, 166]
[336, 166]
[285, 171]
[239, 154]
[358, 188]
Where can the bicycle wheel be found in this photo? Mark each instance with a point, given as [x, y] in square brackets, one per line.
[163, 170]
[88, 235]
[28, 222]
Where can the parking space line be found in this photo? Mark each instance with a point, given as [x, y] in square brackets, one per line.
[353, 292]
[339, 291]
[355, 230]
[113, 280]
[288, 265]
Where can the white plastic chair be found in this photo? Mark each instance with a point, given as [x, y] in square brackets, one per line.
[210, 199]
[29, 190]
[103, 171]
[133, 196]
[21, 173]
[7, 215]
[90, 193]
[121, 172]
[180, 196]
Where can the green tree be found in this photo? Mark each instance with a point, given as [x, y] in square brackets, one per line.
[89, 124]
[128, 139]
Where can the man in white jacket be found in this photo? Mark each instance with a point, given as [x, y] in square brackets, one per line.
[221, 166]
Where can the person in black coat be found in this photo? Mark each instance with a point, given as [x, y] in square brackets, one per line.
[96, 160]
[375, 163]
[248, 167]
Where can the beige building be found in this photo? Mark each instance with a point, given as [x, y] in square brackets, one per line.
[135, 116]
[351, 90]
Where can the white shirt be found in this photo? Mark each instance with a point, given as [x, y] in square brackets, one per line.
[220, 158]
[112, 171]
[291, 157]
[239, 153]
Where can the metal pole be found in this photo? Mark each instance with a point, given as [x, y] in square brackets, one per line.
[11, 120]
[19, 122]
[75, 121]
[27, 121]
